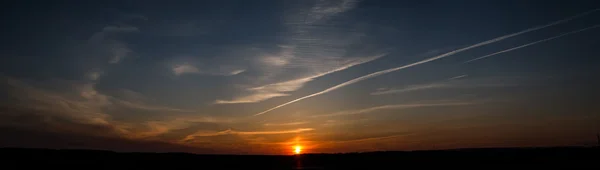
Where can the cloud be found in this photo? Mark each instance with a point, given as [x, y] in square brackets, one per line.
[86, 111]
[325, 9]
[271, 132]
[345, 122]
[251, 99]
[94, 75]
[119, 51]
[458, 77]
[223, 71]
[375, 74]
[106, 40]
[142, 106]
[279, 89]
[409, 89]
[131, 95]
[455, 83]
[285, 124]
[307, 51]
[275, 60]
[230, 132]
[190, 69]
[236, 72]
[381, 91]
[389, 107]
[370, 139]
[185, 68]
[533, 43]
[83, 106]
[115, 50]
[268, 91]
[173, 123]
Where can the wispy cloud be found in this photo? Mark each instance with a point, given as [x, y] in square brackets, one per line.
[251, 98]
[382, 91]
[369, 139]
[409, 89]
[106, 39]
[86, 111]
[185, 68]
[285, 124]
[272, 132]
[94, 75]
[533, 43]
[190, 69]
[156, 128]
[390, 107]
[279, 89]
[325, 9]
[454, 83]
[83, 105]
[277, 61]
[233, 132]
[310, 48]
[458, 77]
[375, 74]
[143, 106]
[119, 51]
[236, 72]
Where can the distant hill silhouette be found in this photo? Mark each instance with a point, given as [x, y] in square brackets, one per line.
[484, 158]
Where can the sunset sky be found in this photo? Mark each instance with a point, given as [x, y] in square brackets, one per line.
[264, 76]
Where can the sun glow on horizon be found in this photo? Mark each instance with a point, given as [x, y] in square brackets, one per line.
[297, 149]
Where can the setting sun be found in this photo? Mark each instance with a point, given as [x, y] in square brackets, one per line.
[297, 149]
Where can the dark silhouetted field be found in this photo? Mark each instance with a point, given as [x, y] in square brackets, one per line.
[502, 158]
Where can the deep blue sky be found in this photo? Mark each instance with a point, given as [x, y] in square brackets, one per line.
[217, 76]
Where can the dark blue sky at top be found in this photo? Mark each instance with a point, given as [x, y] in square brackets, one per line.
[235, 46]
[52, 28]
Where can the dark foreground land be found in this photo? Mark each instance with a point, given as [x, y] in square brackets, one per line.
[498, 158]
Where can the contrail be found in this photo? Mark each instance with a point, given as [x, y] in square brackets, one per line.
[457, 77]
[533, 43]
[375, 74]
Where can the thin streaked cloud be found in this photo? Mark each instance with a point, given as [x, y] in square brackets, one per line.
[408, 89]
[233, 132]
[456, 83]
[185, 68]
[285, 124]
[533, 43]
[392, 107]
[310, 49]
[458, 77]
[191, 69]
[279, 89]
[375, 74]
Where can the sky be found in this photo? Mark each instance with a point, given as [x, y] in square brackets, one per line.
[264, 76]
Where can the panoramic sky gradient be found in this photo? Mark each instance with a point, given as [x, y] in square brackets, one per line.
[264, 76]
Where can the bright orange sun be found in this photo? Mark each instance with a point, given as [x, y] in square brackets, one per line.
[297, 149]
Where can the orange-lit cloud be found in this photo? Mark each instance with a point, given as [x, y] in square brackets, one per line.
[285, 124]
[229, 132]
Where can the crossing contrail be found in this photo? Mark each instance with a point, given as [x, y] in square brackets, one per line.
[375, 74]
[533, 43]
